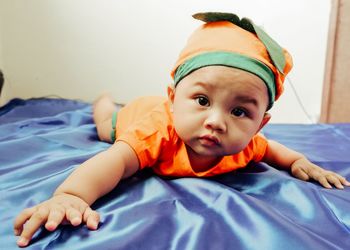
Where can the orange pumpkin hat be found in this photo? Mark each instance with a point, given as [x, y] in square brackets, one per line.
[226, 40]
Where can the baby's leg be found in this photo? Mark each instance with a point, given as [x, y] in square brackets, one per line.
[103, 109]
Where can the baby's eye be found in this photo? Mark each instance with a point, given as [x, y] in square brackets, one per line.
[238, 112]
[203, 101]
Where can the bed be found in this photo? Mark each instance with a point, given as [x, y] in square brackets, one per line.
[259, 207]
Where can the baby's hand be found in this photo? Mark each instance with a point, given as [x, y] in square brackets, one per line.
[306, 170]
[59, 209]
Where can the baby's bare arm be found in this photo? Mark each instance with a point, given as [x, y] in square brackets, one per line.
[72, 199]
[280, 156]
[101, 173]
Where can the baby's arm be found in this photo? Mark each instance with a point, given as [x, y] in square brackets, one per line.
[72, 199]
[280, 156]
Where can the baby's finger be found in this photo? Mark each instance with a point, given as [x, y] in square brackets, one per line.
[74, 216]
[333, 179]
[38, 218]
[323, 181]
[55, 218]
[21, 219]
[91, 218]
[343, 180]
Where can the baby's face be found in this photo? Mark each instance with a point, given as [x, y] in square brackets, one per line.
[218, 109]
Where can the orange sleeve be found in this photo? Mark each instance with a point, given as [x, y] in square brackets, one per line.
[259, 144]
[136, 110]
[149, 136]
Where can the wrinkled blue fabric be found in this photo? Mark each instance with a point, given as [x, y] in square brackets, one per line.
[259, 207]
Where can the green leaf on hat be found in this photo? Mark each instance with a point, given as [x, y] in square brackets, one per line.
[275, 51]
[217, 16]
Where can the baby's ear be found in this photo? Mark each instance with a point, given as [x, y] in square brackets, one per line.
[171, 93]
[264, 121]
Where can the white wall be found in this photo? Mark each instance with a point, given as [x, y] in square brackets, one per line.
[79, 48]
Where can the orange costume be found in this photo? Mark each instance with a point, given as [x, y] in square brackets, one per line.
[147, 124]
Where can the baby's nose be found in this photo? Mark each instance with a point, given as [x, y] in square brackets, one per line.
[216, 121]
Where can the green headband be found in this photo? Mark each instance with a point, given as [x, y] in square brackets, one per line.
[229, 59]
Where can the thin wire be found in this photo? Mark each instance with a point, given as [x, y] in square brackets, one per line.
[307, 114]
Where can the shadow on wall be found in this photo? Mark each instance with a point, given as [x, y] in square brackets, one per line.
[1, 81]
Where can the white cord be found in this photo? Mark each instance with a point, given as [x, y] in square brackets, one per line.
[307, 114]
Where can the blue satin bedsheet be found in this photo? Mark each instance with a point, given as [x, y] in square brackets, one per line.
[43, 140]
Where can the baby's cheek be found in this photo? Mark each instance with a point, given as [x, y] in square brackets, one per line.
[236, 144]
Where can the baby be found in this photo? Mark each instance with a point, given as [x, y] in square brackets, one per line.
[226, 79]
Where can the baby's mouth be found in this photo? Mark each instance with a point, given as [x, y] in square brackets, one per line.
[209, 140]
